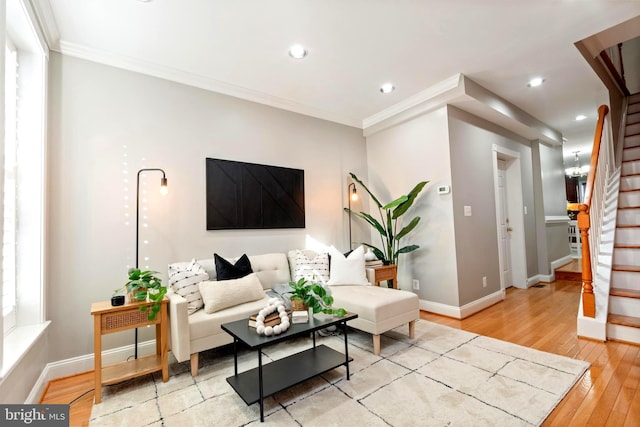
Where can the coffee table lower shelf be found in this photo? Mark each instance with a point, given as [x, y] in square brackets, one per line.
[286, 372]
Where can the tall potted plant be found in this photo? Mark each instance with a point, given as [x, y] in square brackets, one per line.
[390, 215]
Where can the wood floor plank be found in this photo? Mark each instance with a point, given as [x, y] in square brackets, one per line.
[624, 400]
[605, 404]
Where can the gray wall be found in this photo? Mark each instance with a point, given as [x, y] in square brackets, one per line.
[555, 201]
[399, 157]
[471, 140]
[106, 123]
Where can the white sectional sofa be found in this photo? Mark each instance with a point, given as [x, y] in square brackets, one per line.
[379, 309]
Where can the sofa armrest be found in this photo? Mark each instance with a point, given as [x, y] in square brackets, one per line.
[179, 327]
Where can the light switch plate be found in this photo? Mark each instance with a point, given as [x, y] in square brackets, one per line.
[467, 211]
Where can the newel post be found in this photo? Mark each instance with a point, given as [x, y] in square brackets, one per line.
[588, 298]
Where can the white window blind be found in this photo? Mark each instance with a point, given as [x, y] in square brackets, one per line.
[9, 191]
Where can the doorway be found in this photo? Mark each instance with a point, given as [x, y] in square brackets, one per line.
[510, 212]
[504, 230]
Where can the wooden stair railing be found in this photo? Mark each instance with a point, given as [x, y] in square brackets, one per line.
[584, 218]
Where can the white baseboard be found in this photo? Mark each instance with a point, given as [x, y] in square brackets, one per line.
[80, 364]
[464, 311]
[588, 327]
[547, 278]
[623, 333]
[560, 262]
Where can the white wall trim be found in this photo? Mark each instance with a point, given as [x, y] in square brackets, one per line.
[591, 328]
[623, 333]
[546, 278]
[420, 102]
[560, 262]
[464, 311]
[556, 219]
[482, 303]
[199, 81]
[84, 363]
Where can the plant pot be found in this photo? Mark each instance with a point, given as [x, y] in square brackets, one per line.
[299, 305]
[132, 294]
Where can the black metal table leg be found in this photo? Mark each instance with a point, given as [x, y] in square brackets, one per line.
[346, 348]
[313, 334]
[261, 389]
[235, 356]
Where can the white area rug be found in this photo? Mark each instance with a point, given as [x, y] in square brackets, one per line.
[443, 377]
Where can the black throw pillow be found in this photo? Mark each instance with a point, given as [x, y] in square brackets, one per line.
[227, 271]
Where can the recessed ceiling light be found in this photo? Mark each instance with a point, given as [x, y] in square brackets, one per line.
[535, 82]
[387, 88]
[297, 51]
[580, 117]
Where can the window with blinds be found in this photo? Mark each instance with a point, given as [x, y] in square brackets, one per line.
[9, 190]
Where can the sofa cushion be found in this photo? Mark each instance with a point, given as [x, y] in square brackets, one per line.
[225, 270]
[203, 325]
[379, 309]
[347, 270]
[184, 280]
[218, 295]
[312, 269]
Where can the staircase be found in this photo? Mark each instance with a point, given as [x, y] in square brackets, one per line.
[623, 322]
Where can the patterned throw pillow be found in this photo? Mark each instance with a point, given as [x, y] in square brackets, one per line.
[316, 269]
[185, 280]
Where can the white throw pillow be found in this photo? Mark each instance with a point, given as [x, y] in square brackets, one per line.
[313, 270]
[218, 295]
[349, 270]
[184, 281]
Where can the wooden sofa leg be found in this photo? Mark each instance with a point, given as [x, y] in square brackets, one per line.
[194, 364]
[412, 329]
[376, 345]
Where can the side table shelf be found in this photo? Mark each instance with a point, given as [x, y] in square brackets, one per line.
[382, 273]
[109, 319]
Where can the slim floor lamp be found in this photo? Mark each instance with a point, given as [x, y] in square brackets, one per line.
[353, 195]
[163, 190]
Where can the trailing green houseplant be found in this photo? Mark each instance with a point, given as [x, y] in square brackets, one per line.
[315, 296]
[390, 215]
[143, 285]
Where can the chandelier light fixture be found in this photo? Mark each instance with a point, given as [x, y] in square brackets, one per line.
[577, 171]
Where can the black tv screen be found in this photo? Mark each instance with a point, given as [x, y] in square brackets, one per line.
[250, 196]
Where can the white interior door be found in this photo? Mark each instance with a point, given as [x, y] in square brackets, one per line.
[504, 228]
[510, 211]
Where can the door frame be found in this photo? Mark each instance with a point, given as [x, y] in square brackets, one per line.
[515, 207]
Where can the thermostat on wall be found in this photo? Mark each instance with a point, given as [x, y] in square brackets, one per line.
[443, 189]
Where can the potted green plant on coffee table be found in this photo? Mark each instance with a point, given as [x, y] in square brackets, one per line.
[314, 296]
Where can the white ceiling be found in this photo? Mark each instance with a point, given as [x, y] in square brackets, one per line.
[239, 47]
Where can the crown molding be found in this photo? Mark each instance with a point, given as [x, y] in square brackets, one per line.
[199, 81]
[467, 95]
[417, 104]
[46, 22]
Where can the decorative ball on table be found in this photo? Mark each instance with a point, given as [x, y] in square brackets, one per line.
[274, 305]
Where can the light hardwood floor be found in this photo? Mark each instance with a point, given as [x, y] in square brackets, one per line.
[542, 318]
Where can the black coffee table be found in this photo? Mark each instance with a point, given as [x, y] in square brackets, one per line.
[256, 384]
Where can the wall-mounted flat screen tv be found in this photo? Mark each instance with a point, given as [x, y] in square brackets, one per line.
[252, 196]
